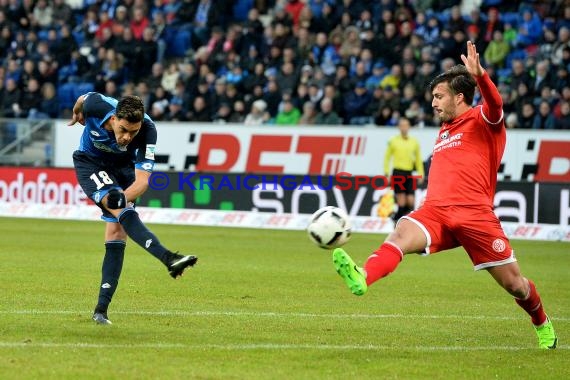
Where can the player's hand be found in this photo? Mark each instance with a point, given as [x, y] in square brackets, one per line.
[472, 62]
[77, 118]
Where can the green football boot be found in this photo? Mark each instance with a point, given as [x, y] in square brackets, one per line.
[546, 336]
[353, 275]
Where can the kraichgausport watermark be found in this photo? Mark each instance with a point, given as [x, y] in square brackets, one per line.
[343, 181]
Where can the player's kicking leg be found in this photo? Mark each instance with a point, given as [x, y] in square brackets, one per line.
[128, 218]
[352, 274]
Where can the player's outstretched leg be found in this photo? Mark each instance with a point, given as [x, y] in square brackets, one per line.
[546, 336]
[140, 234]
[352, 274]
[532, 304]
[179, 263]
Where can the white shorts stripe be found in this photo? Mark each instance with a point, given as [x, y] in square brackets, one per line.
[425, 231]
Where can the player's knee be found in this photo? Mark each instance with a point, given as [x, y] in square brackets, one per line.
[115, 199]
[515, 286]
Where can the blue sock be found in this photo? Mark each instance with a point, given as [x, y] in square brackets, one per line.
[141, 235]
[110, 272]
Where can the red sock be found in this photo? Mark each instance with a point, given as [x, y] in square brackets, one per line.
[382, 262]
[532, 305]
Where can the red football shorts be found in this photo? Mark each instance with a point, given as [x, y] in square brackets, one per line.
[477, 229]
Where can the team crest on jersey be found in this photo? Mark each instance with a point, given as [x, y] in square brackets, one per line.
[149, 153]
[444, 135]
[95, 133]
[499, 245]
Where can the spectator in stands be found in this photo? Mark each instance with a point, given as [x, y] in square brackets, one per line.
[288, 114]
[42, 13]
[492, 25]
[519, 74]
[324, 55]
[456, 21]
[529, 28]
[30, 100]
[258, 114]
[497, 50]
[327, 115]
[222, 114]
[112, 90]
[562, 43]
[49, 105]
[62, 14]
[309, 114]
[89, 26]
[139, 23]
[385, 29]
[562, 120]
[170, 77]
[238, 114]
[127, 46]
[543, 77]
[526, 116]
[147, 54]
[350, 42]
[200, 110]
[10, 100]
[121, 20]
[393, 78]
[544, 119]
[378, 73]
[355, 105]
[287, 77]
[112, 68]
[511, 121]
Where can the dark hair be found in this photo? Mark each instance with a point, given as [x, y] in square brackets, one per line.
[130, 108]
[459, 80]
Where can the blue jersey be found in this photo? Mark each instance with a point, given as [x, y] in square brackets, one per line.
[99, 142]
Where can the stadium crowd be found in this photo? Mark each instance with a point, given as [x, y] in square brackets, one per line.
[351, 62]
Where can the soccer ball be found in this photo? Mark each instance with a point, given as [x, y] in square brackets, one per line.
[329, 227]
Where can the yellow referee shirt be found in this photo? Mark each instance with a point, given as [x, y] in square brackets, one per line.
[406, 154]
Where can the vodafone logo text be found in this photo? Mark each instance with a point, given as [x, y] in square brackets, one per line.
[40, 186]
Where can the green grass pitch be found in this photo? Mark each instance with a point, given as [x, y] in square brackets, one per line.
[266, 304]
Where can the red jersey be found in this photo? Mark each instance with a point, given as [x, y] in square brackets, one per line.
[468, 152]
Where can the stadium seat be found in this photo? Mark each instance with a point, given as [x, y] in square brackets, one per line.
[82, 88]
[178, 44]
[241, 9]
[510, 18]
[66, 96]
[515, 54]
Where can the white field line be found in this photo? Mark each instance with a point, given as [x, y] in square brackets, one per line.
[263, 346]
[275, 314]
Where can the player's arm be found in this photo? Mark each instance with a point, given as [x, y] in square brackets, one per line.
[91, 104]
[492, 102]
[77, 116]
[144, 163]
[138, 187]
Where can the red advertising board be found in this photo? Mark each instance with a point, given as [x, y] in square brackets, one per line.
[40, 185]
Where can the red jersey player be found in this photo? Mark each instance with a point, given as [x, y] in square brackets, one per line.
[458, 209]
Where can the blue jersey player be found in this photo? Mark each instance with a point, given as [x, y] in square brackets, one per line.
[113, 164]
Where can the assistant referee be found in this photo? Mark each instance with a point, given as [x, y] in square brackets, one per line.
[403, 154]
